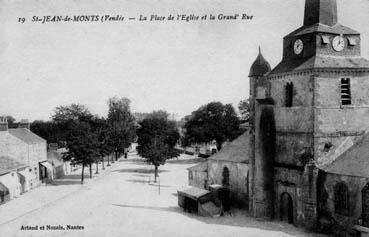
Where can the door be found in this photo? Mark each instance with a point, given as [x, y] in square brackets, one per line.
[365, 205]
[286, 208]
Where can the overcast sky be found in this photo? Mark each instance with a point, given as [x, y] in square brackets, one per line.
[176, 66]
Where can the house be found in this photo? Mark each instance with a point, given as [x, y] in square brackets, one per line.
[227, 168]
[26, 147]
[55, 158]
[308, 127]
[13, 178]
[67, 164]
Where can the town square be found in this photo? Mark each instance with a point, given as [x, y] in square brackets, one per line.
[184, 118]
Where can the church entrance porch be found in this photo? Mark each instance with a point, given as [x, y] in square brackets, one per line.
[286, 208]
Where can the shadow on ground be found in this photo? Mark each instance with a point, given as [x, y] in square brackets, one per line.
[166, 209]
[70, 179]
[134, 160]
[239, 218]
[185, 161]
[149, 182]
[142, 171]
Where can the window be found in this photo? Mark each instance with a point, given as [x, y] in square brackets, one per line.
[352, 41]
[289, 94]
[225, 180]
[327, 147]
[341, 198]
[325, 39]
[345, 91]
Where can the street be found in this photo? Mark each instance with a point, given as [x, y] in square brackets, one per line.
[123, 201]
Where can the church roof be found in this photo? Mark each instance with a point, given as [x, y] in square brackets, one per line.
[26, 136]
[201, 167]
[354, 161]
[260, 66]
[321, 28]
[236, 151]
[321, 61]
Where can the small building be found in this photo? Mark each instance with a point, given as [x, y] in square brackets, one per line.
[12, 183]
[198, 200]
[229, 168]
[198, 175]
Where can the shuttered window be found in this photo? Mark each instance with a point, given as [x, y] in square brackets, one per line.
[345, 91]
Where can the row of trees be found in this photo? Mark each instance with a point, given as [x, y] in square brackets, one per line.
[90, 138]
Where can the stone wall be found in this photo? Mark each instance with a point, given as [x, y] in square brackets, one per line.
[238, 179]
[197, 178]
[335, 123]
[355, 186]
[302, 90]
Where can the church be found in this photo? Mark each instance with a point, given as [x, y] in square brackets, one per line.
[309, 123]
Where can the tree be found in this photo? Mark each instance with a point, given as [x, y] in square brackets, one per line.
[79, 128]
[49, 130]
[71, 112]
[157, 137]
[102, 131]
[122, 126]
[81, 144]
[244, 108]
[210, 122]
[11, 121]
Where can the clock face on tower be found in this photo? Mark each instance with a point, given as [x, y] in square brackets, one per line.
[298, 46]
[338, 43]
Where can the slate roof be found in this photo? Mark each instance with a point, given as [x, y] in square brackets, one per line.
[202, 167]
[7, 164]
[354, 161]
[26, 135]
[260, 66]
[321, 61]
[336, 29]
[236, 151]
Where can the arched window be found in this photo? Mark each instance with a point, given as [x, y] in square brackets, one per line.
[225, 174]
[289, 94]
[341, 198]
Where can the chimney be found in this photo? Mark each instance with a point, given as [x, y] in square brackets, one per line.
[24, 124]
[3, 124]
[320, 11]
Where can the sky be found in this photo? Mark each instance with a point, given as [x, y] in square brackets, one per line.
[172, 65]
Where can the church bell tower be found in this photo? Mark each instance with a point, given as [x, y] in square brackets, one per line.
[314, 100]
